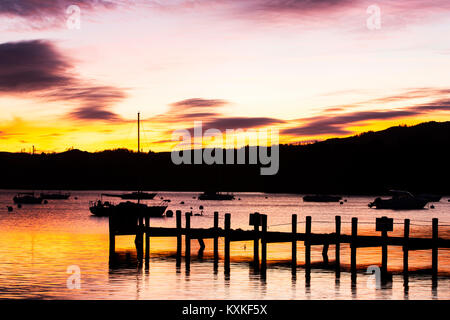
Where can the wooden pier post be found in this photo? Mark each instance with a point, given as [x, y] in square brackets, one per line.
[405, 249]
[179, 235]
[353, 247]
[139, 239]
[147, 238]
[325, 253]
[227, 243]
[338, 246]
[187, 238]
[201, 249]
[294, 244]
[434, 252]
[216, 240]
[256, 241]
[384, 254]
[263, 245]
[307, 244]
[112, 236]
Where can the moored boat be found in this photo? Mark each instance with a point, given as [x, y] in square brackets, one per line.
[213, 195]
[105, 208]
[321, 198]
[401, 200]
[138, 195]
[55, 196]
[27, 198]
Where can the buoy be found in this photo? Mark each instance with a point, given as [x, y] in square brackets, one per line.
[342, 202]
[169, 213]
[182, 202]
[10, 209]
[239, 198]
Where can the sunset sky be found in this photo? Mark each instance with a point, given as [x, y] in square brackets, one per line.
[311, 69]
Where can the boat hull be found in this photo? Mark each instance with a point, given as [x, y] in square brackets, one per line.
[399, 204]
[128, 208]
[55, 196]
[27, 200]
[321, 199]
[135, 196]
[215, 196]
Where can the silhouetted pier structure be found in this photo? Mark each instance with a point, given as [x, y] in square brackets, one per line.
[260, 235]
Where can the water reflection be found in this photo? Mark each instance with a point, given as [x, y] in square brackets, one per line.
[40, 242]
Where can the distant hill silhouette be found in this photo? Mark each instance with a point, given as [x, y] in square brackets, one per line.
[411, 158]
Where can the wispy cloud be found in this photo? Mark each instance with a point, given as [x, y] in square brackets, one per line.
[337, 121]
[37, 69]
[199, 103]
[38, 14]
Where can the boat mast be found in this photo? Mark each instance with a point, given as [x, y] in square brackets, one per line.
[139, 143]
[139, 133]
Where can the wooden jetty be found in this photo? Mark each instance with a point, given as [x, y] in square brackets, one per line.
[260, 235]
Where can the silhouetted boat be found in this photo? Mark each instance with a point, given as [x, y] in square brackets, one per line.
[55, 196]
[133, 195]
[106, 208]
[321, 198]
[27, 198]
[213, 195]
[401, 200]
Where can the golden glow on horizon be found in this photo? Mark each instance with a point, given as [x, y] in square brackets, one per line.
[23, 135]
[290, 70]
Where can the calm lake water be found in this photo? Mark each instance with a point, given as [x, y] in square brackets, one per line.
[39, 242]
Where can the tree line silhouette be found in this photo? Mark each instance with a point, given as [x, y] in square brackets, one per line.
[409, 158]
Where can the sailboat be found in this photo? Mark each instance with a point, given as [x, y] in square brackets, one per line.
[27, 198]
[401, 200]
[133, 195]
[55, 195]
[215, 195]
[106, 208]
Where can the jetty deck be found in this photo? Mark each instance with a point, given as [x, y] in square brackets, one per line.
[261, 237]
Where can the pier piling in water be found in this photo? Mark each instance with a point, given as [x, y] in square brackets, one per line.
[139, 229]
[216, 240]
[227, 227]
[294, 244]
[405, 249]
[434, 252]
[112, 237]
[256, 221]
[187, 238]
[384, 254]
[263, 244]
[147, 238]
[338, 246]
[179, 235]
[353, 247]
[308, 244]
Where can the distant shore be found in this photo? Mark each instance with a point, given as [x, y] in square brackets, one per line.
[414, 159]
